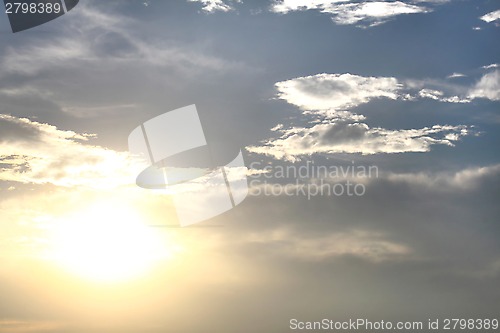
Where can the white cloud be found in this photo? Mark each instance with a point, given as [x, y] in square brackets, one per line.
[327, 98]
[488, 87]
[438, 95]
[32, 152]
[216, 5]
[341, 137]
[372, 12]
[432, 94]
[490, 66]
[331, 93]
[455, 99]
[285, 6]
[491, 17]
[342, 12]
[336, 91]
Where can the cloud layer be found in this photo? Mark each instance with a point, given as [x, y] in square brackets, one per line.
[333, 128]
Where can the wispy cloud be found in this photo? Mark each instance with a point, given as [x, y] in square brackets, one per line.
[456, 75]
[111, 60]
[371, 246]
[467, 180]
[105, 40]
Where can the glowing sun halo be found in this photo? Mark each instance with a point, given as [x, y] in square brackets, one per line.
[107, 243]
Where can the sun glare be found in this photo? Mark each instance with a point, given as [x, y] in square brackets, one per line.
[107, 243]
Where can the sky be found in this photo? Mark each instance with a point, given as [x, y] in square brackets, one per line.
[407, 89]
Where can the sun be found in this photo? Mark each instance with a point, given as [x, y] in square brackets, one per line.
[107, 242]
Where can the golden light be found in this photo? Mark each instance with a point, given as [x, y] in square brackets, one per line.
[107, 242]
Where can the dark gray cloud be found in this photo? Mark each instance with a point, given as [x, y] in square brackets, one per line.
[342, 132]
[17, 131]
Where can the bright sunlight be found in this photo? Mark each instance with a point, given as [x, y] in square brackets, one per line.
[107, 243]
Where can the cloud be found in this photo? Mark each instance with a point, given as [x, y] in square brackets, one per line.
[286, 6]
[32, 152]
[336, 91]
[414, 189]
[490, 66]
[216, 5]
[372, 12]
[344, 253]
[329, 255]
[437, 223]
[105, 41]
[432, 94]
[456, 75]
[438, 95]
[109, 57]
[333, 128]
[487, 87]
[491, 17]
[327, 93]
[58, 53]
[466, 180]
[364, 12]
[371, 246]
[341, 137]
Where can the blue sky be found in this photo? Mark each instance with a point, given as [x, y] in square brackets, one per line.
[411, 87]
